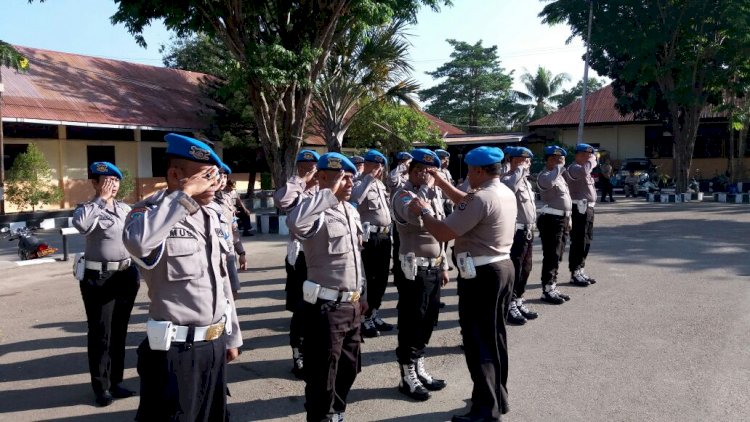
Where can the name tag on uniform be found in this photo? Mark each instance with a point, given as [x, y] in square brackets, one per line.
[180, 233]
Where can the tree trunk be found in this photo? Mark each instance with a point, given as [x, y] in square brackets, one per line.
[731, 161]
[685, 128]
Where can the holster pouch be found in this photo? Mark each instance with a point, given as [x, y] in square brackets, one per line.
[293, 249]
[79, 266]
[582, 205]
[310, 291]
[409, 266]
[466, 265]
[228, 319]
[366, 231]
[159, 334]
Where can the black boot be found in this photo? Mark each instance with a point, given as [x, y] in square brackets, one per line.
[410, 385]
[426, 379]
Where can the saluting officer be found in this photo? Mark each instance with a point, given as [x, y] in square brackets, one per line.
[177, 237]
[425, 270]
[400, 173]
[483, 226]
[359, 163]
[371, 199]
[236, 249]
[583, 195]
[553, 221]
[298, 187]
[334, 293]
[109, 283]
[523, 240]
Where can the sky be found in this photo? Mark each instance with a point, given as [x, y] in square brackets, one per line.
[524, 43]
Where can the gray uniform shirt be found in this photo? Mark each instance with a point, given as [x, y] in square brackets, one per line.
[227, 201]
[414, 237]
[397, 177]
[372, 201]
[485, 221]
[181, 249]
[288, 196]
[331, 237]
[580, 181]
[102, 226]
[519, 184]
[554, 189]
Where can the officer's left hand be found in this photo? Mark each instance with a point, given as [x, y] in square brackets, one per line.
[444, 278]
[232, 354]
[416, 205]
[243, 263]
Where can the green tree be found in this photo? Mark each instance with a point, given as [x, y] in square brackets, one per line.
[476, 94]
[365, 67]
[540, 90]
[10, 58]
[280, 47]
[391, 128]
[29, 181]
[568, 96]
[667, 59]
[127, 185]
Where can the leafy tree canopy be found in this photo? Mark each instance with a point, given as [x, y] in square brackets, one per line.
[476, 94]
[30, 181]
[567, 96]
[541, 89]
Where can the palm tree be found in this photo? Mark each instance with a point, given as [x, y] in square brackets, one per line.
[10, 58]
[365, 67]
[541, 89]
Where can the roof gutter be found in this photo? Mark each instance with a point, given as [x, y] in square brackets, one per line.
[94, 125]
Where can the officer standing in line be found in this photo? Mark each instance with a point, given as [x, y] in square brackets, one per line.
[483, 226]
[425, 270]
[523, 240]
[298, 187]
[445, 157]
[359, 163]
[371, 199]
[396, 179]
[583, 195]
[109, 284]
[236, 249]
[553, 220]
[177, 238]
[334, 292]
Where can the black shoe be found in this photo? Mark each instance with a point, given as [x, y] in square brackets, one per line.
[563, 295]
[553, 297]
[577, 279]
[468, 418]
[427, 380]
[104, 399]
[589, 279]
[382, 325]
[514, 316]
[442, 305]
[247, 234]
[526, 312]
[369, 330]
[120, 392]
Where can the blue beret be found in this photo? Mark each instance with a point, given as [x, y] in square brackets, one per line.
[336, 161]
[426, 157]
[104, 168]
[585, 148]
[519, 152]
[442, 153]
[403, 156]
[375, 156]
[357, 159]
[307, 156]
[191, 149]
[484, 156]
[554, 150]
[224, 168]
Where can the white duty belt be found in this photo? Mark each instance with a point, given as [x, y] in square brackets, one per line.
[583, 203]
[525, 226]
[380, 229]
[484, 260]
[424, 262]
[333, 294]
[554, 211]
[107, 266]
[207, 333]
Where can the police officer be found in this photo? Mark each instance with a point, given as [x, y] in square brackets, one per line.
[110, 282]
[298, 187]
[400, 174]
[236, 249]
[334, 293]
[583, 195]
[425, 270]
[359, 163]
[553, 220]
[371, 199]
[483, 226]
[523, 240]
[177, 237]
[445, 157]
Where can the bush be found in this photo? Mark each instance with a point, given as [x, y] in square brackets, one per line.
[127, 185]
[29, 181]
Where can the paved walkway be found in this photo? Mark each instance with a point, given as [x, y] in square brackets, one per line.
[663, 336]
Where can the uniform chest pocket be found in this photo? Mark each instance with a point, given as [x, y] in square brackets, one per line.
[373, 200]
[523, 194]
[183, 262]
[106, 223]
[338, 237]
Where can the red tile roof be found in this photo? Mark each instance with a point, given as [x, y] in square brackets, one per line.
[64, 87]
[443, 127]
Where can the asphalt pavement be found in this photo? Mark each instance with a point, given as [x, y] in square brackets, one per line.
[662, 336]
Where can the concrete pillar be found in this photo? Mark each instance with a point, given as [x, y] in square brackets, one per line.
[62, 135]
[137, 175]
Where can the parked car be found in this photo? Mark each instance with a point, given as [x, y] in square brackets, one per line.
[638, 165]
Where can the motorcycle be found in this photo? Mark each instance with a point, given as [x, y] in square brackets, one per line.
[29, 246]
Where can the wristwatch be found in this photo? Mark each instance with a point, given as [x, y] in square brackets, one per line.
[425, 211]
